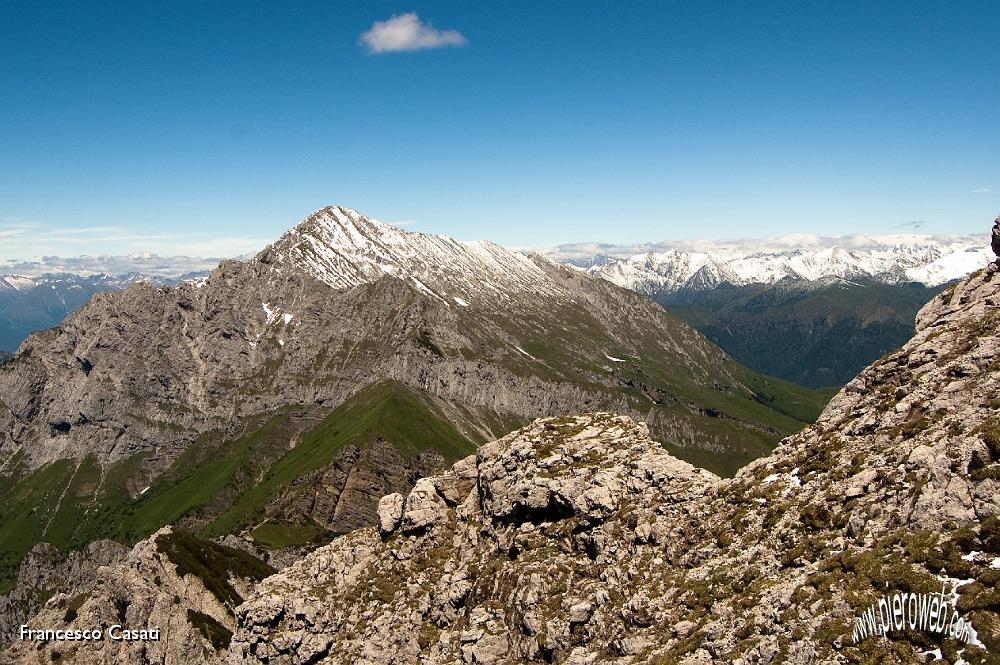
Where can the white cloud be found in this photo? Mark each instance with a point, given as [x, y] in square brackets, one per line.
[586, 253]
[407, 32]
[147, 264]
[981, 191]
[22, 242]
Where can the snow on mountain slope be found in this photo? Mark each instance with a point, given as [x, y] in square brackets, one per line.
[343, 248]
[891, 260]
[950, 266]
[15, 283]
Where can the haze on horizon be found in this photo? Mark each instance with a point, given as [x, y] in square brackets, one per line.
[207, 130]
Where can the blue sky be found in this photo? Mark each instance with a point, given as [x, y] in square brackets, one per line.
[210, 127]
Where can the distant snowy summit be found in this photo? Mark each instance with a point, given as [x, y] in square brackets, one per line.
[701, 265]
[14, 283]
[344, 249]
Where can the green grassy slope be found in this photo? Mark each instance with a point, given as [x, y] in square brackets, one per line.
[221, 485]
[387, 411]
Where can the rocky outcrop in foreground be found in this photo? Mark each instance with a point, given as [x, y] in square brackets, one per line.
[175, 594]
[46, 570]
[580, 540]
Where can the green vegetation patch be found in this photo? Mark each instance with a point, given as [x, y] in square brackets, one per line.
[47, 505]
[217, 634]
[212, 563]
[990, 433]
[224, 485]
[73, 607]
[277, 534]
[387, 411]
[204, 471]
[816, 338]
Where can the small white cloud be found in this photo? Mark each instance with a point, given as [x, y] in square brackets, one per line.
[913, 224]
[407, 32]
[981, 191]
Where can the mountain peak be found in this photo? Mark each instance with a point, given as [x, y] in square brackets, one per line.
[340, 226]
[343, 248]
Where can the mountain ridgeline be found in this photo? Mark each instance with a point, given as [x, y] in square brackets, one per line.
[280, 397]
[872, 536]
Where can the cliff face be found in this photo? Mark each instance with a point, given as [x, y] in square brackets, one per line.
[178, 590]
[47, 571]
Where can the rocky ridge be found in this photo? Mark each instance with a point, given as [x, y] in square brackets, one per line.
[38, 302]
[46, 571]
[172, 583]
[580, 540]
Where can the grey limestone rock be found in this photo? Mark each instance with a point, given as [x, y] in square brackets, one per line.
[581, 540]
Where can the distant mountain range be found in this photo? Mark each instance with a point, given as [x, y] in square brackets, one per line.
[701, 265]
[810, 310]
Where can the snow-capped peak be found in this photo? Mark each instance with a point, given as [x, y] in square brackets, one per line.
[343, 248]
[16, 283]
